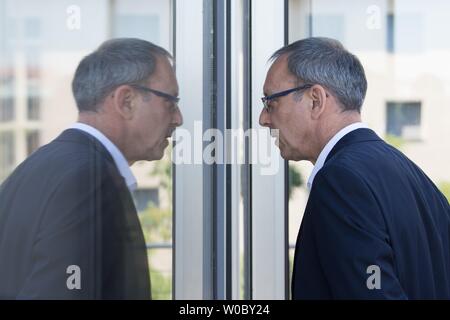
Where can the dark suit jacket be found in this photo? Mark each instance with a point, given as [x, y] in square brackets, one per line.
[371, 206]
[68, 205]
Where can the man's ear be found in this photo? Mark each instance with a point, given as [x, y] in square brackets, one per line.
[124, 101]
[319, 98]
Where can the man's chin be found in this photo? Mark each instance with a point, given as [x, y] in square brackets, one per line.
[284, 155]
[282, 149]
[155, 154]
[158, 154]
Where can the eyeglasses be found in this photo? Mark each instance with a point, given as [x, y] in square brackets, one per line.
[266, 100]
[161, 94]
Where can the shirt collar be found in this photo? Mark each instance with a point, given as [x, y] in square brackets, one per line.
[329, 146]
[118, 157]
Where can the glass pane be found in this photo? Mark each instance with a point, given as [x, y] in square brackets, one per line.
[400, 45]
[41, 44]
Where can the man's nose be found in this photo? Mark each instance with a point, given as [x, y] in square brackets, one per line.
[178, 118]
[264, 118]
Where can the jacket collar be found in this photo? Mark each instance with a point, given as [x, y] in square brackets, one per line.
[81, 137]
[356, 136]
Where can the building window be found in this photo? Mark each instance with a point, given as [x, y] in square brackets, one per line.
[33, 141]
[403, 119]
[7, 153]
[143, 198]
[33, 108]
[7, 81]
[7, 112]
[390, 40]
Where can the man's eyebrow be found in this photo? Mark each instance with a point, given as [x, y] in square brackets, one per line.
[174, 93]
[268, 92]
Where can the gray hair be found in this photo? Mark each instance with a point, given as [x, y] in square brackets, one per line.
[116, 62]
[326, 62]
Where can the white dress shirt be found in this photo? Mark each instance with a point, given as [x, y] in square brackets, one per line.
[329, 146]
[119, 159]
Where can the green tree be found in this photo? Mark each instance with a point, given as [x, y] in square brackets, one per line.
[156, 221]
[156, 224]
[295, 179]
[161, 285]
[163, 170]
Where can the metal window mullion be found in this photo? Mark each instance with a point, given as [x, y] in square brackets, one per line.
[222, 170]
[209, 178]
[247, 39]
[286, 178]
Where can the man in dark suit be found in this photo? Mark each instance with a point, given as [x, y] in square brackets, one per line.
[375, 226]
[68, 225]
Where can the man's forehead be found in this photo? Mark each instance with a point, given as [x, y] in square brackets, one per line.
[164, 73]
[163, 65]
[278, 74]
[281, 66]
